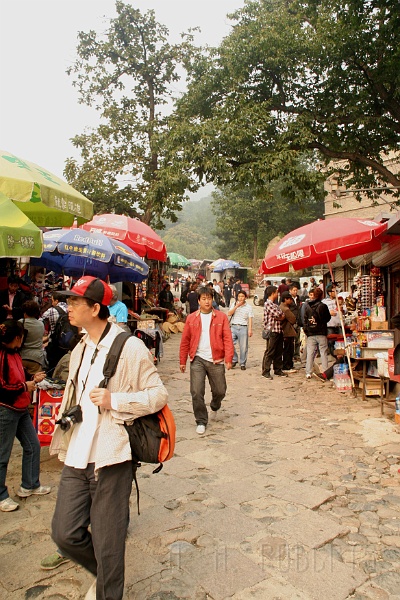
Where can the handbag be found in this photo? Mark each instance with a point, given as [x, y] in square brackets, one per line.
[266, 334]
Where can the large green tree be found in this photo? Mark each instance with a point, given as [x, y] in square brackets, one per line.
[319, 77]
[128, 74]
[248, 220]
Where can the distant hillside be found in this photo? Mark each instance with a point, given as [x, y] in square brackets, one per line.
[191, 234]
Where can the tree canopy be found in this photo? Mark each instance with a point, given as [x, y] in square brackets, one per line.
[314, 79]
[247, 221]
[127, 74]
[193, 233]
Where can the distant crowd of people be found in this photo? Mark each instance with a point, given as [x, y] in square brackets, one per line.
[289, 312]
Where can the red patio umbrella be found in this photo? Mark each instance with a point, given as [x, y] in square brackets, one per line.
[322, 241]
[137, 235]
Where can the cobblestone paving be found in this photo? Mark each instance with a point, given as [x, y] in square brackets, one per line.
[293, 494]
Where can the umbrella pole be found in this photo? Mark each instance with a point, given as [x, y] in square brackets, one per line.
[347, 349]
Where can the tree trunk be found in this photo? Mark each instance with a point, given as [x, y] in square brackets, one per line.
[255, 250]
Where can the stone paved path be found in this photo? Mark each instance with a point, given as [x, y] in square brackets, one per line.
[292, 494]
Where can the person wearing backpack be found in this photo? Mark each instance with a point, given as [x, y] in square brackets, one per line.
[316, 316]
[91, 440]
[57, 308]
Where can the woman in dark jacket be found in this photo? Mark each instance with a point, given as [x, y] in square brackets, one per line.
[32, 353]
[15, 420]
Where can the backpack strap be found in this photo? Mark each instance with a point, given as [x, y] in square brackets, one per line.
[60, 310]
[112, 359]
[110, 366]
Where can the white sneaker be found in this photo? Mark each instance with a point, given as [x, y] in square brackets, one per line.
[91, 593]
[308, 376]
[8, 505]
[42, 490]
[201, 429]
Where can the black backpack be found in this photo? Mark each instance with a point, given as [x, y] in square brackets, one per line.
[63, 332]
[311, 319]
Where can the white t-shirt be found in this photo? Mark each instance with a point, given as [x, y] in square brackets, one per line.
[217, 288]
[204, 347]
[82, 446]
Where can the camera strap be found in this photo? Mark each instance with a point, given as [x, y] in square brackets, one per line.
[95, 353]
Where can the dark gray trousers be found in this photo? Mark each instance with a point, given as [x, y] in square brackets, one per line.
[199, 370]
[273, 354]
[104, 505]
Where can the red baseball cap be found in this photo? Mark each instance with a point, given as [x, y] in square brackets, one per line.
[91, 288]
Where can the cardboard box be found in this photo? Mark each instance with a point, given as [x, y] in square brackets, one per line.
[380, 325]
[365, 353]
[383, 367]
[391, 365]
[379, 339]
[372, 388]
[146, 324]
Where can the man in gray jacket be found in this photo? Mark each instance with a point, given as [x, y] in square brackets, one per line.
[97, 476]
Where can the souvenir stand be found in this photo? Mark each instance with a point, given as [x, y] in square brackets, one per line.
[372, 338]
[146, 325]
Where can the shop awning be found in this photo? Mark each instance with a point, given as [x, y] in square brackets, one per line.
[393, 227]
[389, 253]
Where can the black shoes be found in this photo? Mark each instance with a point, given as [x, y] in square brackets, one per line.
[243, 367]
[280, 373]
[234, 365]
[267, 376]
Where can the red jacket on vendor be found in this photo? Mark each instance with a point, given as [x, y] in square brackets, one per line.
[220, 338]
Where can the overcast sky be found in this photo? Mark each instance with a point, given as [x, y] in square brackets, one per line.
[39, 110]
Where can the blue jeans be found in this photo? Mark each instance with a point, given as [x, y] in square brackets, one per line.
[15, 424]
[240, 334]
[199, 370]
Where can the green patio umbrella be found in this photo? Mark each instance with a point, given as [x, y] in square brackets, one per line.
[18, 235]
[177, 260]
[45, 198]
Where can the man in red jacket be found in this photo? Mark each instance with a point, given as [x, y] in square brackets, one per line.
[207, 340]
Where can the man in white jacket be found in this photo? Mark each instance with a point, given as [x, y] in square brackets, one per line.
[97, 475]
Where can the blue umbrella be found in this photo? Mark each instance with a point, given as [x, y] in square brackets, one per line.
[221, 265]
[76, 252]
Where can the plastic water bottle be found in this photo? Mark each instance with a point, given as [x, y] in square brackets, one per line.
[397, 404]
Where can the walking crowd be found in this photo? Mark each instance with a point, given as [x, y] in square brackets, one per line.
[92, 509]
[296, 325]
